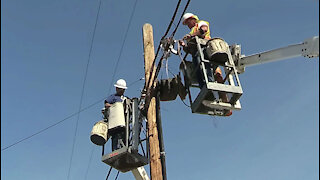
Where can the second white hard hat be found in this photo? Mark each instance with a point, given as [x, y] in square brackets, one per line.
[121, 84]
[187, 16]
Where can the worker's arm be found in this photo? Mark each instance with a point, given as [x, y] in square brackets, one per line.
[183, 44]
[107, 103]
[181, 41]
[202, 30]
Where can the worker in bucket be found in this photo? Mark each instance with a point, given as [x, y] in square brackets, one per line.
[116, 127]
[201, 29]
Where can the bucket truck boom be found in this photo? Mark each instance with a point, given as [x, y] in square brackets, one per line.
[309, 48]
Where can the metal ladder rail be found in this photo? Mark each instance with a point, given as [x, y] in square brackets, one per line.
[235, 96]
[202, 60]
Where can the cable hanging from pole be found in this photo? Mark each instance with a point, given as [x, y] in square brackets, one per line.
[160, 61]
[158, 49]
[185, 8]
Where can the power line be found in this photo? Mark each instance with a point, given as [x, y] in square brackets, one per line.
[172, 19]
[168, 29]
[83, 86]
[117, 175]
[68, 117]
[160, 61]
[148, 90]
[184, 10]
[116, 67]
[125, 37]
[109, 172]
[86, 175]
[80, 110]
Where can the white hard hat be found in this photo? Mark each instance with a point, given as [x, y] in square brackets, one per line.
[187, 16]
[121, 84]
[202, 23]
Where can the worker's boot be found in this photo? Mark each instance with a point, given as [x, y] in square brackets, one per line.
[227, 112]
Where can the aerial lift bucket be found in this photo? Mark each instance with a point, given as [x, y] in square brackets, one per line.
[207, 101]
[127, 158]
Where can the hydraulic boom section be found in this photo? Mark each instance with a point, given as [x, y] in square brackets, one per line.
[309, 48]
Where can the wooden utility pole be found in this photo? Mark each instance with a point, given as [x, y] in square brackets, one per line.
[155, 163]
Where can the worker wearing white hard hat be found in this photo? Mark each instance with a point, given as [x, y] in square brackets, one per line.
[198, 27]
[186, 16]
[117, 126]
[121, 84]
[201, 29]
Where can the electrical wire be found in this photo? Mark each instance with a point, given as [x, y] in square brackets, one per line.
[109, 173]
[83, 86]
[160, 61]
[87, 171]
[185, 104]
[117, 176]
[172, 19]
[120, 53]
[66, 118]
[81, 110]
[185, 8]
[168, 29]
[148, 90]
[135, 81]
[117, 63]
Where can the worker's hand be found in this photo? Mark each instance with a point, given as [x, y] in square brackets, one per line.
[187, 36]
[107, 105]
[182, 43]
[103, 110]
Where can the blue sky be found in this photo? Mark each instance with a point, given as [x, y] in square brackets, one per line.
[44, 52]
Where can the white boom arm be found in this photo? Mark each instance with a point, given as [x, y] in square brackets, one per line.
[140, 173]
[309, 48]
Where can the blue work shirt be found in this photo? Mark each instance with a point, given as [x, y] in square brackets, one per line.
[113, 99]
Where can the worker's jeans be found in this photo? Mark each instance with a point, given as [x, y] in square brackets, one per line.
[196, 62]
[117, 134]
